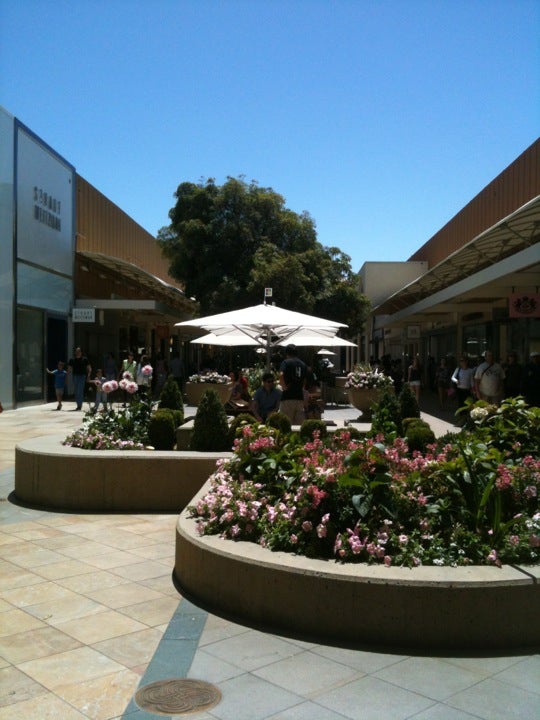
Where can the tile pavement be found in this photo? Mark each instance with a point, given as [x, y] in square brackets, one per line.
[88, 613]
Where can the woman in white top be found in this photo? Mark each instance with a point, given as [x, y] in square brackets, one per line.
[463, 381]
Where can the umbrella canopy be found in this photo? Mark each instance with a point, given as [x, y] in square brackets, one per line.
[232, 339]
[324, 351]
[265, 325]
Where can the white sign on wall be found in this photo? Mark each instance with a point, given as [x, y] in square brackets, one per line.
[84, 315]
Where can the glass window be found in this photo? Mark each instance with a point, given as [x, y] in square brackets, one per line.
[42, 289]
[29, 355]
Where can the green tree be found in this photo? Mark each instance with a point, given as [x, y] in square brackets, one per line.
[227, 243]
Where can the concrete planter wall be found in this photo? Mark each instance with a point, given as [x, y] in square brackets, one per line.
[51, 475]
[426, 607]
[195, 391]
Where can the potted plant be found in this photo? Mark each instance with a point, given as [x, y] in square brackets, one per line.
[365, 387]
[198, 384]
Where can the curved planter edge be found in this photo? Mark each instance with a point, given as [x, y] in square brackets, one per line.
[428, 607]
[53, 476]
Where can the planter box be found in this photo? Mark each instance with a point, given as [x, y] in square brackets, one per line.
[195, 391]
[54, 476]
[363, 398]
[445, 608]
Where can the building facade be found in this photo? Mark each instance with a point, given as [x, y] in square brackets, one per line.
[475, 285]
[74, 270]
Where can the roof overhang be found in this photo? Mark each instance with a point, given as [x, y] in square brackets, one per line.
[508, 252]
[127, 271]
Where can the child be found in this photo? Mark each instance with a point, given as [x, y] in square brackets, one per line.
[59, 382]
[101, 397]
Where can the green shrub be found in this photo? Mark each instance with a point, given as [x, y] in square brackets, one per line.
[408, 405]
[210, 427]
[162, 429]
[310, 426]
[418, 434]
[171, 397]
[279, 421]
[386, 417]
[239, 421]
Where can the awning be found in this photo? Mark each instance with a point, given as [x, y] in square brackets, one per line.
[130, 272]
[514, 235]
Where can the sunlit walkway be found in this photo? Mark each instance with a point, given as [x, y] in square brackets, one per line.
[88, 613]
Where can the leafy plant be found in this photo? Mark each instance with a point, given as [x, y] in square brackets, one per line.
[125, 428]
[386, 417]
[471, 501]
[311, 426]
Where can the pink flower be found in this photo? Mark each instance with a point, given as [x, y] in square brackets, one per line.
[321, 531]
[109, 386]
[387, 560]
[293, 539]
[307, 526]
[147, 371]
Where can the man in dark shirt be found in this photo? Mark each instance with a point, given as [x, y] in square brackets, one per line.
[292, 373]
[81, 369]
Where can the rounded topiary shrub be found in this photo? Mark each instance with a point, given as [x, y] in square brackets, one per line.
[279, 421]
[239, 421]
[418, 434]
[308, 427]
[162, 430]
[408, 405]
[210, 427]
[171, 397]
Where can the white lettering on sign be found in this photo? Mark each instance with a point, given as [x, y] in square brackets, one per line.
[84, 315]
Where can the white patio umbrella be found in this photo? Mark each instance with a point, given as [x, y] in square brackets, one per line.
[265, 325]
[324, 351]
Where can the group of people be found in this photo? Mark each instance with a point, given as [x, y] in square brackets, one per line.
[489, 380]
[81, 372]
[297, 397]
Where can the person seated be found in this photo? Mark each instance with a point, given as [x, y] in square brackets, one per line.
[266, 399]
[313, 405]
[239, 399]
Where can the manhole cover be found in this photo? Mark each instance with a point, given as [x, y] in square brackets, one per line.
[177, 697]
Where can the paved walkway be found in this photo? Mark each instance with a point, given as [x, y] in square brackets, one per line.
[88, 613]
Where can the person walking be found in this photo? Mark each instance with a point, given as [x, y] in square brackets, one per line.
[60, 375]
[101, 397]
[463, 380]
[80, 368]
[128, 371]
[414, 377]
[513, 372]
[292, 373]
[489, 379]
[530, 383]
[442, 380]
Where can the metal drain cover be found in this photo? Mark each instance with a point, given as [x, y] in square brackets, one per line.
[177, 696]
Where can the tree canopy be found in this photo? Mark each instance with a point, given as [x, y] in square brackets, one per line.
[227, 243]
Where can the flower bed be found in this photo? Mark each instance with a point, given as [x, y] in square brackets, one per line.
[471, 502]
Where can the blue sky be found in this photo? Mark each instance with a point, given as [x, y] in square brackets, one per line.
[382, 118]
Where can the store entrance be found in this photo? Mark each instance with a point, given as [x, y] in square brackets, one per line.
[56, 349]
